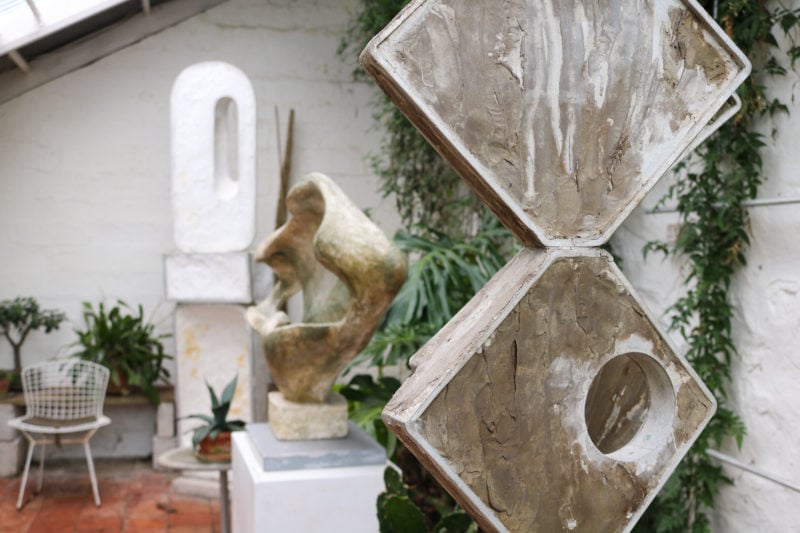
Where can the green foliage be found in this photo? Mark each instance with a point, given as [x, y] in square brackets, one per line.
[20, 316]
[125, 343]
[218, 421]
[426, 189]
[446, 273]
[366, 398]
[714, 238]
[398, 512]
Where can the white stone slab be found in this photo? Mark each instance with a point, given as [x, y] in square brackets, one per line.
[211, 278]
[302, 501]
[213, 141]
[214, 343]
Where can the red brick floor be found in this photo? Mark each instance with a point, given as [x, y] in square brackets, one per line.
[134, 499]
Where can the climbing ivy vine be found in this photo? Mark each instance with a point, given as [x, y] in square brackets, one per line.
[709, 191]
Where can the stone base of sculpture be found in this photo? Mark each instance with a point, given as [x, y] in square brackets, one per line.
[307, 421]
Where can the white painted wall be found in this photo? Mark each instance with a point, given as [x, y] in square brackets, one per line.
[85, 208]
[765, 390]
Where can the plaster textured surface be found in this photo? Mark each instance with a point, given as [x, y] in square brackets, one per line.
[213, 141]
[513, 390]
[219, 278]
[561, 115]
[214, 344]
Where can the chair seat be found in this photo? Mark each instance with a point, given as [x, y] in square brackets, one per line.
[57, 426]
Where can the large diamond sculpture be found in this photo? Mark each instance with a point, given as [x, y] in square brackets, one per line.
[552, 402]
[560, 114]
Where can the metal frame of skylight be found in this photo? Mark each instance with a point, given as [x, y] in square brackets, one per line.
[45, 28]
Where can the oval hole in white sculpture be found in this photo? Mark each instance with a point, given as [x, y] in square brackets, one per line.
[226, 148]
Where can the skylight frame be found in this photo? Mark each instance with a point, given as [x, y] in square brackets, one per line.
[19, 25]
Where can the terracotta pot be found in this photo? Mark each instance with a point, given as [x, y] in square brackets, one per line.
[123, 389]
[5, 382]
[216, 450]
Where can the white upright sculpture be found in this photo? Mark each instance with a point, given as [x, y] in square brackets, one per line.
[213, 140]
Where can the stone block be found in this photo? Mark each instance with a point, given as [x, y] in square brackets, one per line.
[213, 142]
[213, 278]
[165, 420]
[12, 455]
[214, 344]
[307, 421]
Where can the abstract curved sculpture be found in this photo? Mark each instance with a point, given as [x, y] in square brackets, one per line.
[348, 272]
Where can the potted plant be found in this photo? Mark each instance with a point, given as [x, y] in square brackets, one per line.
[5, 382]
[127, 344]
[212, 440]
[20, 316]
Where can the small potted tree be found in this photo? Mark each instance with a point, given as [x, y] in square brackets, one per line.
[127, 344]
[212, 440]
[20, 316]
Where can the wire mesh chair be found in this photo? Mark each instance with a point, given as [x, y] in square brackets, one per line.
[62, 397]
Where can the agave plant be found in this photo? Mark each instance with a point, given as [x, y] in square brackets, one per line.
[218, 422]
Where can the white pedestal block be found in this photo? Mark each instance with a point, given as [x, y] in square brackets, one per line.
[336, 499]
[209, 278]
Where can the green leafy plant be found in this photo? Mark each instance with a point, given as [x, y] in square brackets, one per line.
[398, 512]
[218, 422]
[20, 316]
[710, 192]
[127, 344]
[366, 397]
[425, 188]
[446, 272]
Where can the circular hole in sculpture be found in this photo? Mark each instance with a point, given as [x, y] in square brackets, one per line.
[629, 408]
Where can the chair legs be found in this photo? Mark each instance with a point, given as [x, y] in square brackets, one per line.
[91, 472]
[31, 445]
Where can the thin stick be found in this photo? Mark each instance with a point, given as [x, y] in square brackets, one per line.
[286, 171]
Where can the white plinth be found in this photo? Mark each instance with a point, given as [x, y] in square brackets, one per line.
[302, 500]
[208, 278]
